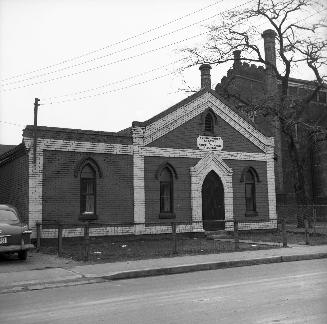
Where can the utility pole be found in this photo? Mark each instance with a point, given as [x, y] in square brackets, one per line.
[36, 106]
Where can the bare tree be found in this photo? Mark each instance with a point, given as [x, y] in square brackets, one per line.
[299, 42]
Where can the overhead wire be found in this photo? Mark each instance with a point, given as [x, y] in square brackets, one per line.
[11, 123]
[109, 54]
[116, 43]
[123, 80]
[103, 56]
[115, 82]
[109, 91]
[106, 64]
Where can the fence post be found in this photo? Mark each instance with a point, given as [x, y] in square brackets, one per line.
[284, 233]
[86, 241]
[60, 227]
[38, 236]
[306, 227]
[173, 231]
[236, 239]
[314, 218]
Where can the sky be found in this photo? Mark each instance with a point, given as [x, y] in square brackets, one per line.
[99, 64]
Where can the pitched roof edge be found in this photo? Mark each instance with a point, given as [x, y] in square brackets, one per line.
[13, 154]
[74, 130]
[170, 109]
[231, 106]
[266, 140]
[188, 100]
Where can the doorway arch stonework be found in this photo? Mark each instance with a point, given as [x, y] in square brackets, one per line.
[211, 162]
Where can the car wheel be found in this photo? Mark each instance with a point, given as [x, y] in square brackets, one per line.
[22, 255]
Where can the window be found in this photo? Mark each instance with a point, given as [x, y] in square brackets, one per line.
[250, 178]
[88, 190]
[292, 91]
[209, 124]
[303, 92]
[250, 203]
[166, 175]
[166, 191]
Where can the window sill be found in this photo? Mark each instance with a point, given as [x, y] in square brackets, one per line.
[167, 215]
[210, 134]
[87, 216]
[251, 214]
[253, 219]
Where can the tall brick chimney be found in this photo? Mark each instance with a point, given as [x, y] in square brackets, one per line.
[205, 76]
[271, 89]
[270, 56]
[237, 59]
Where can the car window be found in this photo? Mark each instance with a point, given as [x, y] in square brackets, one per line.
[7, 216]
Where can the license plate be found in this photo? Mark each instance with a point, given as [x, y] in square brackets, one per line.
[3, 240]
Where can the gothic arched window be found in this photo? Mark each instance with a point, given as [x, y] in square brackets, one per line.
[250, 177]
[209, 124]
[166, 191]
[88, 190]
[250, 201]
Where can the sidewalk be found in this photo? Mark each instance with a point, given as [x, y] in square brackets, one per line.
[81, 274]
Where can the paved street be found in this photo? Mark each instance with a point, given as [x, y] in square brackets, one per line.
[294, 292]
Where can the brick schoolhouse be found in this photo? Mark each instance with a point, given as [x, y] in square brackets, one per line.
[196, 162]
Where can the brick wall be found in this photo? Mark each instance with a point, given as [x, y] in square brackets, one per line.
[319, 158]
[61, 189]
[239, 189]
[248, 83]
[182, 188]
[14, 185]
[185, 136]
[77, 135]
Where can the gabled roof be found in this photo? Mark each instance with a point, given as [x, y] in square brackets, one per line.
[77, 134]
[187, 100]
[171, 109]
[14, 153]
[5, 148]
[185, 110]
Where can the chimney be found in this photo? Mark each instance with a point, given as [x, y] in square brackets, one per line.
[269, 43]
[270, 56]
[237, 59]
[205, 76]
[272, 91]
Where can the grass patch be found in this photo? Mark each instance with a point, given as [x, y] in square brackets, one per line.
[126, 248]
[293, 237]
[136, 247]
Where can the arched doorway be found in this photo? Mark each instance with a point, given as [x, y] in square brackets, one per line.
[213, 207]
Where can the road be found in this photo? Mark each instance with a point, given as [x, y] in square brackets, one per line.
[294, 292]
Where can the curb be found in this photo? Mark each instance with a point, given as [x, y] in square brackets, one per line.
[210, 266]
[47, 285]
[89, 279]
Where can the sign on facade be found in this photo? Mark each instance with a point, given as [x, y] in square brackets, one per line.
[209, 143]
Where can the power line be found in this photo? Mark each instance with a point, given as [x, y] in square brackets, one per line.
[123, 80]
[11, 123]
[126, 87]
[114, 82]
[110, 91]
[121, 60]
[104, 65]
[116, 43]
[109, 54]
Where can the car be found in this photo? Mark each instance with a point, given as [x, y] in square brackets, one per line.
[15, 236]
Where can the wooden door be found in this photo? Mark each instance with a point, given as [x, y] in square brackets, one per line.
[213, 207]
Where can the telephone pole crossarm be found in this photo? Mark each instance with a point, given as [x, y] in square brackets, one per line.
[36, 106]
